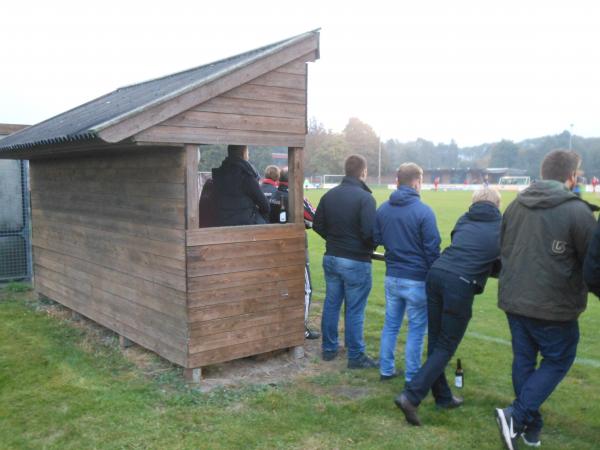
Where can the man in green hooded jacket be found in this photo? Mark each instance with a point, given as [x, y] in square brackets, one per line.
[544, 236]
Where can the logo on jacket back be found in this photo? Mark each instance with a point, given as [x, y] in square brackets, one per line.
[559, 247]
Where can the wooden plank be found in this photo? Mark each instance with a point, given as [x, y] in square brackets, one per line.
[171, 191]
[122, 262]
[296, 184]
[123, 158]
[210, 327]
[172, 134]
[242, 263]
[138, 289]
[211, 282]
[252, 233]
[252, 107]
[271, 248]
[177, 355]
[269, 93]
[148, 212]
[172, 305]
[245, 349]
[248, 306]
[191, 187]
[229, 121]
[298, 66]
[281, 79]
[124, 128]
[236, 337]
[279, 289]
[144, 231]
[112, 175]
[80, 234]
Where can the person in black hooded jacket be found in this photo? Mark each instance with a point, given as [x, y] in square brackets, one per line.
[455, 278]
[591, 263]
[238, 197]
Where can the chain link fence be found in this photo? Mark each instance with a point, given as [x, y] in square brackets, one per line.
[15, 221]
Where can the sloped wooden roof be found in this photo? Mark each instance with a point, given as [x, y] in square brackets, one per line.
[117, 116]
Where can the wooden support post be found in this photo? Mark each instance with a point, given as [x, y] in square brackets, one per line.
[124, 342]
[296, 184]
[193, 375]
[191, 186]
[297, 352]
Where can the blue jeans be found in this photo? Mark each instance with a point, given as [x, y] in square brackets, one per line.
[449, 307]
[349, 281]
[402, 294]
[557, 344]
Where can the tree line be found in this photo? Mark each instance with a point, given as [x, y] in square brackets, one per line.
[326, 151]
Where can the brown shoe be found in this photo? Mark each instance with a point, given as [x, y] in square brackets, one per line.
[454, 403]
[409, 410]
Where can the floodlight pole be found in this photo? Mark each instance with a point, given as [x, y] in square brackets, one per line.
[571, 138]
[379, 166]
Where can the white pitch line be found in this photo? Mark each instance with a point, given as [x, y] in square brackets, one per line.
[579, 361]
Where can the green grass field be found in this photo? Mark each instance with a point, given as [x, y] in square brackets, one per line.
[61, 389]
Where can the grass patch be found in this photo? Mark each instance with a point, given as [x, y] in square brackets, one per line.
[64, 388]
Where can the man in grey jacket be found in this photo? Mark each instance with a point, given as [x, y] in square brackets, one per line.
[544, 236]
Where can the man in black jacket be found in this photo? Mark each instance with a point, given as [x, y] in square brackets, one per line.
[544, 237]
[345, 218]
[239, 199]
[591, 264]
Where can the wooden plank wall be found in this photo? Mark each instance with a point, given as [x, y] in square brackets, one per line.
[245, 291]
[109, 242]
[269, 110]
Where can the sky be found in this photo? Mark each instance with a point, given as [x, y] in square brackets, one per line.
[472, 71]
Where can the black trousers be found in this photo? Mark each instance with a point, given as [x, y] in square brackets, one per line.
[449, 309]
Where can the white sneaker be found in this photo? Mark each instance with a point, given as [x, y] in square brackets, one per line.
[506, 425]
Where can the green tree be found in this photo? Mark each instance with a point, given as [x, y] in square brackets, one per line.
[361, 138]
[504, 154]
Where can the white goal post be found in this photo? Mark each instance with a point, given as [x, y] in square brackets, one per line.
[332, 180]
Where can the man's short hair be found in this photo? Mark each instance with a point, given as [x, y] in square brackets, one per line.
[236, 150]
[284, 174]
[408, 173]
[486, 195]
[355, 165]
[272, 172]
[559, 165]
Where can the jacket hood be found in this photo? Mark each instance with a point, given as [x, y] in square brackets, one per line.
[231, 163]
[545, 194]
[484, 212]
[403, 196]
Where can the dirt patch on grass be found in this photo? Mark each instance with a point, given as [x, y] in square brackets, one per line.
[274, 368]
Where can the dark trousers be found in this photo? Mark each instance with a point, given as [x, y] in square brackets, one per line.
[557, 344]
[449, 309]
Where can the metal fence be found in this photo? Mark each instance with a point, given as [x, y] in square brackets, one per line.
[15, 221]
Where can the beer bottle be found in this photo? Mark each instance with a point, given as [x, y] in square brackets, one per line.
[458, 375]
[282, 213]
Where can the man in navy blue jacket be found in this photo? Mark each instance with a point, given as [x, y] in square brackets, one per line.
[455, 278]
[344, 218]
[406, 228]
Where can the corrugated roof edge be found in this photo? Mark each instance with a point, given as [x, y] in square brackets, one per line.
[277, 47]
[53, 141]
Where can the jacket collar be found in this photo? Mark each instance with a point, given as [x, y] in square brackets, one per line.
[356, 182]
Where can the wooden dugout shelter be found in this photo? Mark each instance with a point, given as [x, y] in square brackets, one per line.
[114, 197]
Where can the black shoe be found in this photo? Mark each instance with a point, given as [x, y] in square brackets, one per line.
[454, 403]
[531, 437]
[329, 356]
[362, 362]
[396, 374]
[310, 334]
[509, 432]
[409, 410]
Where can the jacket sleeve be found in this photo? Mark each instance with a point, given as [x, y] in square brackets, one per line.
[367, 220]
[252, 188]
[320, 224]
[377, 235]
[591, 264]
[582, 231]
[309, 214]
[431, 237]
